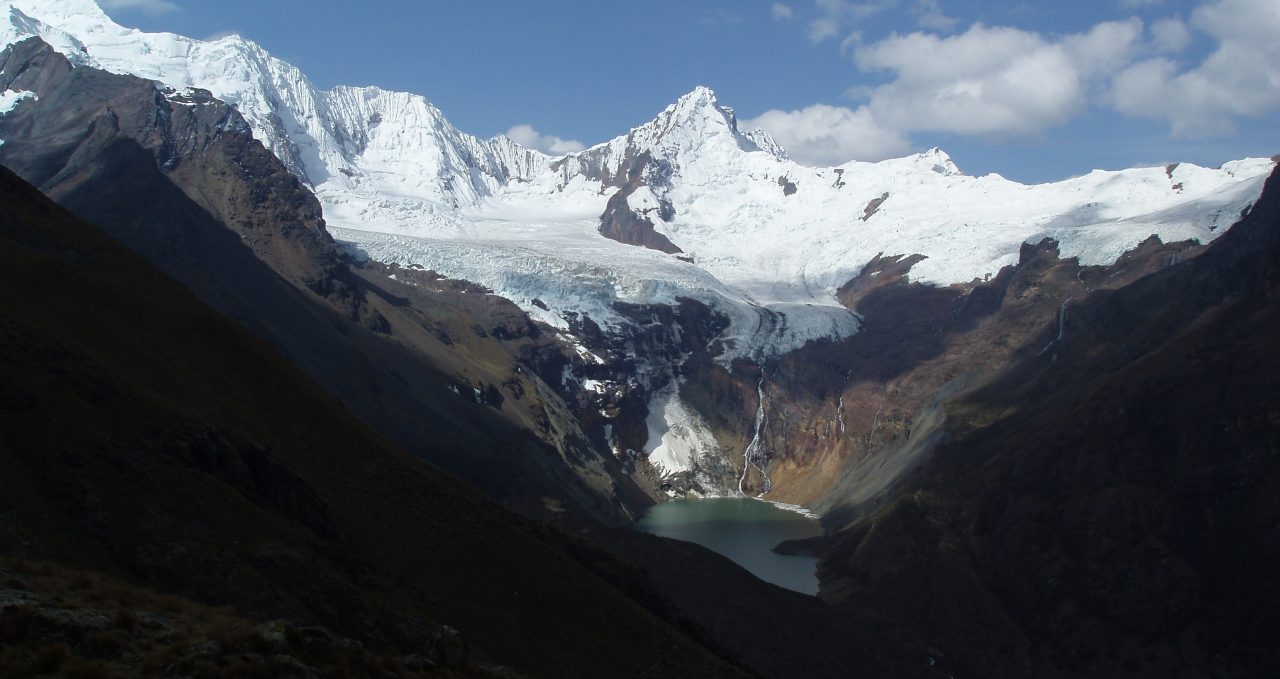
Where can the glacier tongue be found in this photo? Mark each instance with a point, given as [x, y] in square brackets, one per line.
[562, 266]
[765, 241]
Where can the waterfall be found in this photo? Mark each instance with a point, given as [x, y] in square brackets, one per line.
[1062, 318]
[756, 455]
[1062, 326]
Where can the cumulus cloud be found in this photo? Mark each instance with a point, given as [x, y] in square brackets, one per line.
[1003, 82]
[781, 12]
[1240, 78]
[1170, 35]
[528, 137]
[1103, 49]
[830, 135]
[146, 6]
[991, 81]
[995, 82]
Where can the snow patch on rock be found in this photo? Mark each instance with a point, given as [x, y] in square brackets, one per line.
[10, 99]
[678, 437]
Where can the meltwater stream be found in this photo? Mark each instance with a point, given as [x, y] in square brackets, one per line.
[744, 530]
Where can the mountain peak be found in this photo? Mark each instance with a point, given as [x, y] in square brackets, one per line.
[699, 104]
[694, 123]
[697, 97]
[18, 23]
[700, 107]
[937, 160]
[697, 112]
[56, 8]
[933, 160]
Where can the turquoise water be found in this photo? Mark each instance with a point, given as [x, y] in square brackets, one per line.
[744, 530]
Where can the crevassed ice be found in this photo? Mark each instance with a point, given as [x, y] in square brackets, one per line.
[400, 182]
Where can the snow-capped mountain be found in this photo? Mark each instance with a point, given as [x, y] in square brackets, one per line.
[687, 205]
[755, 230]
[351, 136]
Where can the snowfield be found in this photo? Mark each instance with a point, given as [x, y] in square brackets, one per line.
[769, 240]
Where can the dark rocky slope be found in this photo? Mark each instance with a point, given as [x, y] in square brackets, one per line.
[1107, 506]
[845, 418]
[147, 437]
[70, 622]
[178, 178]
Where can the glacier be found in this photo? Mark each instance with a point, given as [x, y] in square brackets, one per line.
[765, 241]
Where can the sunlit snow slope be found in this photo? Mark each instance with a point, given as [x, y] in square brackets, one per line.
[763, 239]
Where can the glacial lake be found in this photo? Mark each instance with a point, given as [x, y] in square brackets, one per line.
[744, 530]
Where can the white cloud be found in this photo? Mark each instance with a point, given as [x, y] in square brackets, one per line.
[995, 82]
[528, 137]
[830, 135]
[991, 81]
[1002, 82]
[929, 15]
[1252, 22]
[1170, 35]
[833, 14]
[781, 12]
[833, 18]
[1105, 48]
[1240, 78]
[823, 28]
[146, 6]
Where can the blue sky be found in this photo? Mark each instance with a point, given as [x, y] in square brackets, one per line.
[1033, 91]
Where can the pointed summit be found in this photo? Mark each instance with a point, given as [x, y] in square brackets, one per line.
[696, 126]
[56, 9]
[939, 161]
[695, 120]
[698, 108]
[699, 97]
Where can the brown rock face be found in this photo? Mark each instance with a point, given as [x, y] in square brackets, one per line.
[619, 222]
[847, 419]
[201, 144]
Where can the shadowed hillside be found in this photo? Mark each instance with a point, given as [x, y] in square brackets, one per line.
[148, 437]
[1109, 506]
[207, 204]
